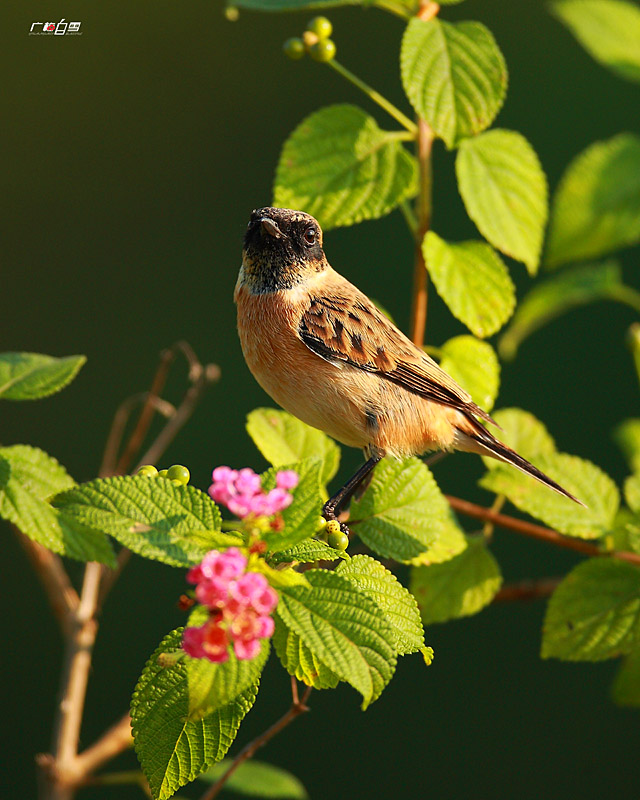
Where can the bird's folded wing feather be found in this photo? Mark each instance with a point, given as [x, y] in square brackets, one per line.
[346, 328]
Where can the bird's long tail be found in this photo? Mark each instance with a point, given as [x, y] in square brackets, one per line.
[479, 440]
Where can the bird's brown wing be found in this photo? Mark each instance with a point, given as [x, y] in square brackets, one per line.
[345, 327]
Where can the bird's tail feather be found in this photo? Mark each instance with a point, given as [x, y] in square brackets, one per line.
[482, 442]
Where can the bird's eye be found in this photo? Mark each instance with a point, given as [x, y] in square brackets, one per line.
[310, 235]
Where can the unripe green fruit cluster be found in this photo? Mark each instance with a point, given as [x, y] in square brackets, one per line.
[177, 474]
[315, 41]
[331, 532]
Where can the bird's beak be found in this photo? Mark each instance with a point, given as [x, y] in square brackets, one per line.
[270, 227]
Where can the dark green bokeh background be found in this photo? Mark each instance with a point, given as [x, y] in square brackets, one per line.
[133, 155]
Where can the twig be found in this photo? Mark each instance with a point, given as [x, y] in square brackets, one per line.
[62, 597]
[296, 709]
[419, 294]
[116, 739]
[527, 590]
[537, 531]
[428, 10]
[208, 375]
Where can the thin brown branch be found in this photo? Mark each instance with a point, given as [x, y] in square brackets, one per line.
[428, 10]
[527, 590]
[62, 597]
[113, 742]
[260, 741]
[537, 531]
[423, 212]
[207, 375]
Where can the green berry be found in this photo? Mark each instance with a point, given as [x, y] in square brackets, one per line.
[321, 26]
[163, 473]
[147, 471]
[339, 541]
[294, 48]
[179, 473]
[321, 524]
[332, 526]
[323, 50]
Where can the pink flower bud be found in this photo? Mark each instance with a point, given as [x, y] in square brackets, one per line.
[246, 650]
[287, 479]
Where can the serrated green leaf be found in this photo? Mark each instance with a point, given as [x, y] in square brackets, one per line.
[29, 477]
[596, 207]
[258, 779]
[522, 432]
[632, 492]
[301, 517]
[307, 552]
[594, 613]
[459, 587]
[341, 167]
[177, 525]
[402, 512]
[571, 288]
[609, 30]
[627, 437]
[278, 578]
[214, 685]
[504, 190]
[344, 629]
[299, 661]
[626, 685]
[625, 533]
[475, 366]
[283, 439]
[454, 75]
[386, 591]
[450, 542]
[473, 281]
[173, 749]
[583, 479]
[30, 376]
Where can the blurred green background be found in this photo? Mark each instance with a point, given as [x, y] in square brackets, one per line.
[133, 155]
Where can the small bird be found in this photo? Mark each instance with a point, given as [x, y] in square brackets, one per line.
[326, 354]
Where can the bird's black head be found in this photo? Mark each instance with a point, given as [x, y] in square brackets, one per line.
[282, 248]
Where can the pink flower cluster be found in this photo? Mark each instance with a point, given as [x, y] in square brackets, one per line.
[242, 493]
[239, 603]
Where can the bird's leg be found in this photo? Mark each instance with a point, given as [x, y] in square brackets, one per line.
[333, 506]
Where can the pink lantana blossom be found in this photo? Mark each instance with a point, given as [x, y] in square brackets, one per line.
[240, 604]
[242, 493]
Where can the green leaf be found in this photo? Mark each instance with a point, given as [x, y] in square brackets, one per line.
[177, 525]
[344, 629]
[30, 376]
[214, 685]
[302, 516]
[594, 613]
[596, 207]
[173, 749]
[459, 587]
[473, 281]
[475, 366]
[28, 477]
[258, 779]
[632, 492]
[307, 552]
[386, 591]
[450, 542]
[504, 190]
[522, 432]
[627, 437]
[454, 75]
[583, 479]
[278, 578]
[299, 661]
[341, 167]
[402, 512]
[283, 439]
[294, 5]
[609, 30]
[571, 288]
[626, 686]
